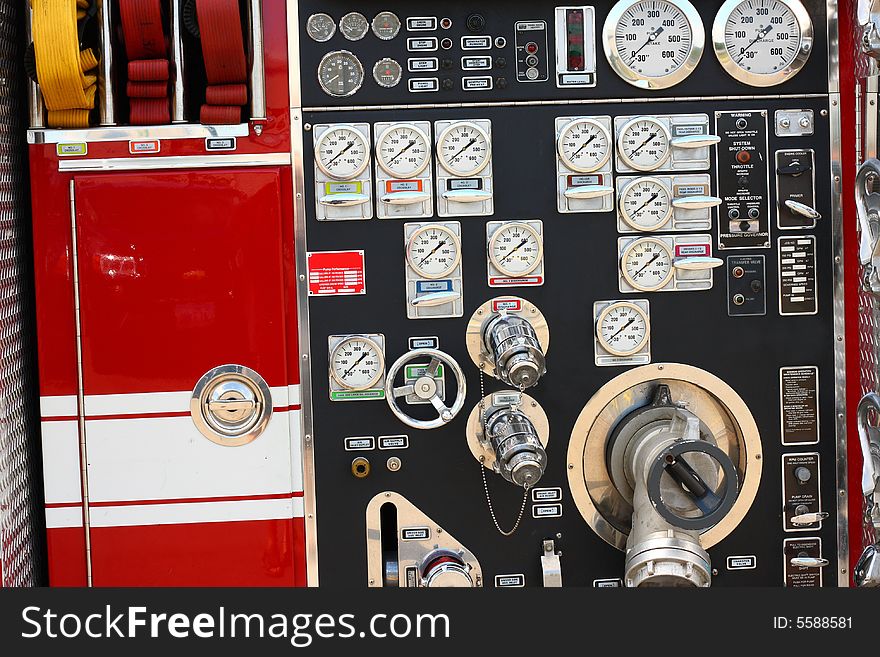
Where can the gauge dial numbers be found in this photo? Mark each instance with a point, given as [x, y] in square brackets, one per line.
[320, 27]
[516, 249]
[623, 329]
[584, 145]
[403, 151]
[646, 264]
[386, 25]
[354, 26]
[340, 74]
[762, 42]
[433, 251]
[653, 44]
[464, 149]
[342, 152]
[357, 363]
[645, 204]
[644, 144]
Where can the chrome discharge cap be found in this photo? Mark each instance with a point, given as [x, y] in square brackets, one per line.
[445, 569]
[231, 405]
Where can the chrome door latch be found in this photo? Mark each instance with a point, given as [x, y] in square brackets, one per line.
[868, 209]
[867, 570]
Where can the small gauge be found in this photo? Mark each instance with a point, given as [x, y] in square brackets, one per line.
[464, 149]
[516, 249]
[387, 73]
[340, 73]
[354, 26]
[357, 363]
[762, 42]
[646, 264]
[623, 329]
[403, 151]
[342, 153]
[433, 251]
[320, 27]
[386, 25]
[645, 204]
[654, 44]
[584, 145]
[644, 143]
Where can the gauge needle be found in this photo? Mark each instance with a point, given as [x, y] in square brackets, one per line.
[402, 151]
[433, 251]
[623, 328]
[648, 264]
[357, 362]
[335, 77]
[518, 247]
[341, 153]
[651, 38]
[467, 146]
[585, 144]
[642, 145]
[645, 204]
[761, 34]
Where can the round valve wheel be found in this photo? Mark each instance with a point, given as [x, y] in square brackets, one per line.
[425, 388]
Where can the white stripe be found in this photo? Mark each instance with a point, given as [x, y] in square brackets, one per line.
[68, 516]
[189, 513]
[294, 396]
[58, 406]
[61, 476]
[164, 402]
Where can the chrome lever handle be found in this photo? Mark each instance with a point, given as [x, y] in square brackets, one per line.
[695, 141]
[696, 202]
[809, 518]
[802, 209]
[697, 263]
[809, 562]
[588, 191]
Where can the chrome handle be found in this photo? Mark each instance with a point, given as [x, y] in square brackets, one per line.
[696, 202]
[435, 299]
[343, 200]
[803, 209]
[467, 195]
[405, 198]
[695, 141]
[809, 518]
[870, 474]
[697, 263]
[588, 191]
[809, 562]
[425, 389]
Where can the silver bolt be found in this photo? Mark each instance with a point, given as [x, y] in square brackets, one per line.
[785, 123]
[307, 127]
[393, 464]
[805, 122]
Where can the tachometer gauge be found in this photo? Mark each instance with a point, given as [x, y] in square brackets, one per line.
[762, 42]
[320, 27]
[653, 44]
[623, 329]
[357, 363]
[463, 149]
[354, 26]
[645, 204]
[342, 153]
[516, 249]
[386, 25]
[433, 251]
[387, 73]
[646, 264]
[584, 145]
[644, 143]
[340, 73]
[403, 150]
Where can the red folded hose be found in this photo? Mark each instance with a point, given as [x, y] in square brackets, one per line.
[149, 111]
[220, 114]
[225, 62]
[146, 89]
[148, 70]
[143, 30]
[227, 94]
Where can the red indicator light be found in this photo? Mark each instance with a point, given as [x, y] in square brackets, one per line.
[531, 47]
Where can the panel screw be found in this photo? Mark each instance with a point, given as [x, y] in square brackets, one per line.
[307, 127]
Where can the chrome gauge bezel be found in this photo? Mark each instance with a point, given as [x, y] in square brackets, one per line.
[441, 138]
[399, 126]
[385, 61]
[641, 312]
[527, 228]
[630, 280]
[364, 141]
[309, 23]
[667, 135]
[358, 67]
[379, 373]
[376, 30]
[443, 229]
[805, 47]
[571, 126]
[632, 223]
[348, 17]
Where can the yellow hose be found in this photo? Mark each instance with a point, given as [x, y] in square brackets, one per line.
[62, 70]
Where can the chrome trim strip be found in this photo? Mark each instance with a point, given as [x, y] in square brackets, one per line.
[127, 133]
[175, 162]
[106, 96]
[178, 93]
[258, 67]
[35, 96]
[870, 117]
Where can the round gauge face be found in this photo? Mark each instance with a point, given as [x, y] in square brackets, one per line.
[654, 44]
[762, 42]
[342, 153]
[644, 144]
[320, 27]
[387, 73]
[354, 26]
[464, 149]
[386, 25]
[357, 363]
[623, 329]
[646, 264]
[403, 151]
[340, 73]
[516, 249]
[584, 145]
[645, 204]
[433, 251]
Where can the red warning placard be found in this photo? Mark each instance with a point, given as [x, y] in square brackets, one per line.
[336, 273]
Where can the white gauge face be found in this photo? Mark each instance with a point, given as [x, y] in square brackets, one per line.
[654, 44]
[584, 145]
[645, 204]
[762, 42]
[433, 251]
[403, 151]
[644, 144]
[354, 26]
[342, 153]
[357, 363]
[320, 27]
[340, 73]
[646, 264]
[516, 249]
[386, 25]
[463, 149]
[387, 73]
[623, 329]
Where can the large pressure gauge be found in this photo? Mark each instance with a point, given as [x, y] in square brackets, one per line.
[646, 264]
[403, 151]
[653, 44]
[762, 42]
[516, 249]
[644, 143]
[623, 329]
[464, 149]
[584, 145]
[340, 73]
[645, 204]
[433, 251]
[342, 153]
[357, 363]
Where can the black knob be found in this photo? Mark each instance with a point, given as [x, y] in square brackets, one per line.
[501, 83]
[447, 84]
[446, 64]
[500, 62]
[757, 285]
[475, 22]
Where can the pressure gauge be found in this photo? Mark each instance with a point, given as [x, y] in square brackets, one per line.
[464, 149]
[623, 329]
[644, 143]
[342, 153]
[387, 73]
[646, 264]
[354, 26]
[340, 73]
[584, 145]
[762, 42]
[645, 204]
[320, 27]
[433, 251]
[357, 363]
[386, 25]
[403, 151]
[516, 249]
[653, 44]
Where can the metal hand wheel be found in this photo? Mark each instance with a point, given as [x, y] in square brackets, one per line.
[425, 388]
